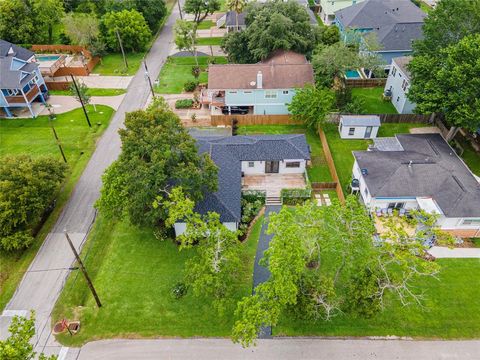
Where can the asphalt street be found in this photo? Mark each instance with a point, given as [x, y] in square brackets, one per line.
[44, 280]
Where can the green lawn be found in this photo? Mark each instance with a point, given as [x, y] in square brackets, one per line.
[451, 310]
[373, 102]
[341, 149]
[470, 156]
[209, 41]
[318, 172]
[91, 92]
[34, 137]
[133, 273]
[178, 70]
[205, 25]
[112, 64]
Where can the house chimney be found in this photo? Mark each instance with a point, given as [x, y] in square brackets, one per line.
[259, 80]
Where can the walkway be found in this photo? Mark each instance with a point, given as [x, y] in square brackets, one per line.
[96, 81]
[280, 348]
[456, 253]
[261, 273]
[42, 284]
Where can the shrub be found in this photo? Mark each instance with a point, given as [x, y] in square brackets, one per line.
[196, 70]
[190, 85]
[250, 208]
[179, 290]
[295, 196]
[254, 195]
[183, 104]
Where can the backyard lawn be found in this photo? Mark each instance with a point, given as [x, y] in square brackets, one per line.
[470, 156]
[205, 25]
[35, 137]
[134, 273]
[318, 172]
[178, 70]
[91, 92]
[209, 41]
[342, 149]
[112, 64]
[451, 310]
[373, 102]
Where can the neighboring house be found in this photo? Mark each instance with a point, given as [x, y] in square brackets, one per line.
[311, 15]
[398, 83]
[232, 21]
[237, 158]
[21, 82]
[420, 171]
[393, 24]
[265, 88]
[358, 126]
[328, 8]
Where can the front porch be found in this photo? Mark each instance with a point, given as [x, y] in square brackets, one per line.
[273, 184]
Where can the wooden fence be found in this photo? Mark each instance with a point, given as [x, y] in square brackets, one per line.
[226, 120]
[357, 83]
[392, 118]
[331, 166]
[324, 185]
[57, 85]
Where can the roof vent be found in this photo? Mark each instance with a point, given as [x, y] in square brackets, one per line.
[252, 83]
[259, 80]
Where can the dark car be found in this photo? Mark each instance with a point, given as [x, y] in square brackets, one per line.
[242, 110]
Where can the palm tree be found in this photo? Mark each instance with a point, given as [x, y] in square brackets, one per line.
[237, 6]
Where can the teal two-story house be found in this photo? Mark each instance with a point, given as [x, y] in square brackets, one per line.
[265, 88]
[393, 24]
[21, 82]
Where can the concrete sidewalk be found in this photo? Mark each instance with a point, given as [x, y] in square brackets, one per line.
[210, 50]
[96, 81]
[455, 253]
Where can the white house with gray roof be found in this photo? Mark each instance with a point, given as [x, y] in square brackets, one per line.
[241, 156]
[398, 83]
[358, 126]
[420, 171]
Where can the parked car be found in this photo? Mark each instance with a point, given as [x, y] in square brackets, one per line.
[242, 110]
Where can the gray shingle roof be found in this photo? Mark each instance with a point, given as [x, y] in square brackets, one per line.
[435, 171]
[231, 18]
[229, 152]
[360, 120]
[12, 79]
[402, 63]
[19, 52]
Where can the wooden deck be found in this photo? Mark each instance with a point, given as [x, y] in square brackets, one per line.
[273, 183]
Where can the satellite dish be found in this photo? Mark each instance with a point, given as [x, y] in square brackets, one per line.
[252, 83]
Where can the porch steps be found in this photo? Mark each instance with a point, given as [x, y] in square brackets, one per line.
[273, 200]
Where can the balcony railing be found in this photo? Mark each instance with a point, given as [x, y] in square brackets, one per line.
[19, 99]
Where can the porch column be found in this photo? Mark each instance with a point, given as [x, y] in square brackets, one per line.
[7, 110]
[42, 98]
[31, 111]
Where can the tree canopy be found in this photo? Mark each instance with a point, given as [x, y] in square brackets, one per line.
[27, 188]
[324, 261]
[157, 154]
[47, 14]
[311, 105]
[200, 9]
[186, 36]
[81, 29]
[16, 22]
[270, 26]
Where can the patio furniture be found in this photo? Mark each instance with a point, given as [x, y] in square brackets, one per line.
[390, 212]
[384, 211]
[402, 212]
[378, 212]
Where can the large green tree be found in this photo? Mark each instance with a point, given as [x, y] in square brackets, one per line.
[48, 13]
[130, 25]
[81, 29]
[17, 346]
[27, 188]
[186, 36]
[17, 22]
[200, 9]
[450, 83]
[213, 270]
[311, 105]
[157, 154]
[323, 261]
[274, 25]
[152, 10]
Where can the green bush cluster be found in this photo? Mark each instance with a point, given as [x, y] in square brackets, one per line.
[183, 104]
[190, 85]
[295, 196]
[250, 208]
[254, 195]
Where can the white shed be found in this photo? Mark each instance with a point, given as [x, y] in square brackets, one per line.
[358, 126]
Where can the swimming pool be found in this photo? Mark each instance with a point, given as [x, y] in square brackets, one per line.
[352, 74]
[47, 57]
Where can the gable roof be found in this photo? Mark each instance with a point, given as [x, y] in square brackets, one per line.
[281, 70]
[18, 52]
[13, 79]
[402, 63]
[360, 120]
[427, 167]
[228, 153]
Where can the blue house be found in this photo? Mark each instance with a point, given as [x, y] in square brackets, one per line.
[265, 88]
[395, 24]
[21, 82]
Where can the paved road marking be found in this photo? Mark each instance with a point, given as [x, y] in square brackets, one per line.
[12, 313]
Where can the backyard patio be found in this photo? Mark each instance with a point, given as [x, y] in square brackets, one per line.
[273, 183]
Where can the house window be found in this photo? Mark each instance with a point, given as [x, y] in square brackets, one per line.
[251, 164]
[232, 92]
[270, 94]
[398, 98]
[292, 164]
[404, 85]
[471, 222]
[366, 192]
[394, 71]
[396, 205]
[12, 92]
[351, 131]
[247, 92]
[285, 92]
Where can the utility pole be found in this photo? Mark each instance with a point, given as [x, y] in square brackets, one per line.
[121, 48]
[84, 271]
[180, 9]
[51, 116]
[81, 100]
[147, 75]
